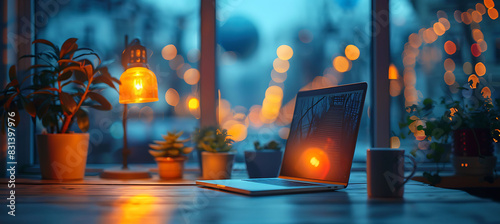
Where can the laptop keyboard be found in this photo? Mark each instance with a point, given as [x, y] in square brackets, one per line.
[282, 182]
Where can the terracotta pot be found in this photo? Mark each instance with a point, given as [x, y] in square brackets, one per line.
[63, 156]
[263, 163]
[170, 167]
[217, 165]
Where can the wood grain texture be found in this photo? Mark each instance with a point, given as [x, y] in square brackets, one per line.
[64, 203]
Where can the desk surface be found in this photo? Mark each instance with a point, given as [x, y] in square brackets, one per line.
[89, 203]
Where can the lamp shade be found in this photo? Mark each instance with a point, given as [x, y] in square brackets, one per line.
[138, 85]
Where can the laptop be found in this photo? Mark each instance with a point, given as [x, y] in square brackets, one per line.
[320, 147]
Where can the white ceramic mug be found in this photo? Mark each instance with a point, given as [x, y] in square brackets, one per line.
[385, 172]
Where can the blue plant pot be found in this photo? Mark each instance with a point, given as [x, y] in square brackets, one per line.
[263, 163]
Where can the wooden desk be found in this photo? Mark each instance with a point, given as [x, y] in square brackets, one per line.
[172, 203]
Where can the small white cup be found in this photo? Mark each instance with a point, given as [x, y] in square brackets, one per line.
[385, 172]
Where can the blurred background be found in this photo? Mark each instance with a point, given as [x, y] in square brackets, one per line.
[271, 49]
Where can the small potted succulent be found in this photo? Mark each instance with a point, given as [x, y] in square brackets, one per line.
[217, 157]
[64, 83]
[265, 161]
[170, 155]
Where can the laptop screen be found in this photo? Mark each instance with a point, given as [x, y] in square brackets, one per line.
[323, 133]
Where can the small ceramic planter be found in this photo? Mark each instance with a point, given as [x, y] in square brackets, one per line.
[63, 156]
[474, 166]
[263, 163]
[473, 152]
[170, 167]
[217, 165]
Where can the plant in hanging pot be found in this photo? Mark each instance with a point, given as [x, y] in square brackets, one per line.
[170, 155]
[63, 84]
[265, 161]
[217, 157]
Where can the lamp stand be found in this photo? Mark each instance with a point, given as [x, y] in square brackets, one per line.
[125, 173]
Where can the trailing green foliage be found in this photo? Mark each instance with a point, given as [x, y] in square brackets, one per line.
[273, 145]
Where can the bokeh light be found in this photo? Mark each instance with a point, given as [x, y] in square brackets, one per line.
[467, 68]
[449, 78]
[493, 13]
[477, 34]
[439, 28]
[475, 50]
[476, 17]
[449, 65]
[486, 92]
[280, 65]
[445, 23]
[172, 97]
[278, 77]
[393, 72]
[352, 52]
[473, 81]
[193, 104]
[489, 4]
[395, 143]
[169, 52]
[482, 45]
[284, 52]
[341, 64]
[480, 69]
[480, 8]
[450, 47]
[466, 18]
[192, 76]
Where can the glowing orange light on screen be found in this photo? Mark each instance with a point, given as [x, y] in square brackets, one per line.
[314, 163]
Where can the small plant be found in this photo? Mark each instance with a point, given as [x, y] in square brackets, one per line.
[274, 145]
[171, 147]
[63, 84]
[212, 139]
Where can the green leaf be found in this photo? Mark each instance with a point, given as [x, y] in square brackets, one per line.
[420, 128]
[427, 101]
[68, 102]
[12, 73]
[104, 103]
[82, 118]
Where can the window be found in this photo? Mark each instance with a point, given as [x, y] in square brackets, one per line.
[269, 50]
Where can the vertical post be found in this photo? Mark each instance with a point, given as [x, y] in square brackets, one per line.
[22, 45]
[380, 67]
[208, 97]
[125, 150]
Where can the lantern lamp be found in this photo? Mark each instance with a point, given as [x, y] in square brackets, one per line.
[138, 85]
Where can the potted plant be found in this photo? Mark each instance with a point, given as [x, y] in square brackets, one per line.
[472, 127]
[170, 155]
[63, 84]
[265, 161]
[217, 158]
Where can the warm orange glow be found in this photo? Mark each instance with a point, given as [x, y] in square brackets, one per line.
[393, 72]
[466, 18]
[169, 52]
[482, 45]
[489, 4]
[486, 93]
[476, 17]
[237, 131]
[192, 76]
[409, 77]
[475, 50]
[341, 64]
[172, 97]
[314, 161]
[415, 40]
[445, 23]
[450, 47]
[280, 65]
[449, 65]
[352, 52]
[480, 8]
[394, 88]
[473, 81]
[284, 52]
[193, 104]
[477, 34]
[429, 36]
[480, 69]
[493, 13]
[395, 143]
[134, 209]
[439, 28]
[449, 78]
[138, 85]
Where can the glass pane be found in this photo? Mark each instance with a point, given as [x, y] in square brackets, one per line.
[170, 32]
[269, 50]
[441, 50]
